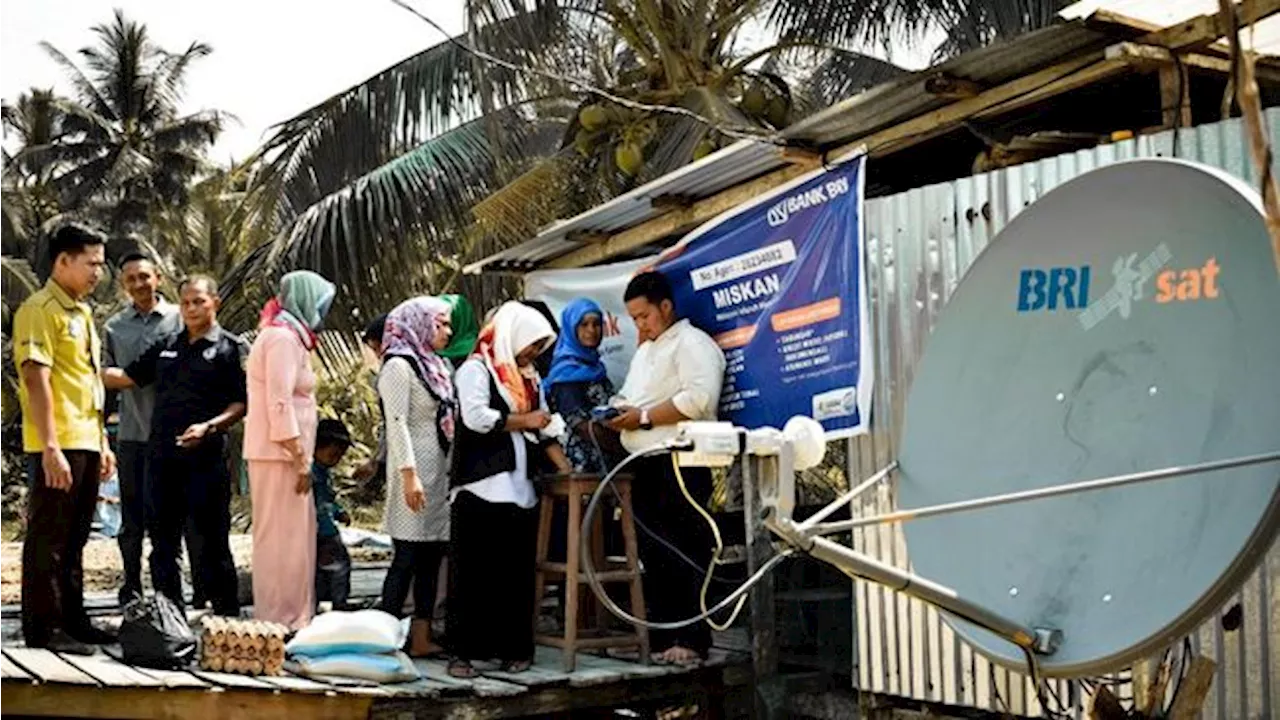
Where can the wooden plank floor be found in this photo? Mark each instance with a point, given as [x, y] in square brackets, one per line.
[44, 683]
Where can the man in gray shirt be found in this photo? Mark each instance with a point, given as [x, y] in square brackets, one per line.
[129, 333]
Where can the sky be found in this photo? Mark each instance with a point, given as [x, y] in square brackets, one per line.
[272, 59]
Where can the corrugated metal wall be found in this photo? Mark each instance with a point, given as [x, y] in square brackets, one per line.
[919, 244]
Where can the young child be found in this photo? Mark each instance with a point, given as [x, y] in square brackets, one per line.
[333, 564]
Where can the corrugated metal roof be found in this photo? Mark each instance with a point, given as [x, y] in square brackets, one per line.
[1263, 37]
[718, 171]
[881, 107]
[892, 103]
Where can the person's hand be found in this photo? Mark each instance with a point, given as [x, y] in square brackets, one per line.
[303, 485]
[629, 419]
[56, 469]
[342, 517]
[367, 470]
[536, 420]
[194, 435]
[106, 463]
[414, 495]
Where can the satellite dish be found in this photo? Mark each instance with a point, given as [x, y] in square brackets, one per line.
[1126, 321]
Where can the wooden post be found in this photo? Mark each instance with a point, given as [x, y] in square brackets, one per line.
[1175, 96]
[1195, 687]
[1251, 107]
[769, 689]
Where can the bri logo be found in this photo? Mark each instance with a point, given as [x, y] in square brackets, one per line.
[780, 212]
[1068, 287]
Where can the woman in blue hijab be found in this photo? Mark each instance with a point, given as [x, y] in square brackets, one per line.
[577, 382]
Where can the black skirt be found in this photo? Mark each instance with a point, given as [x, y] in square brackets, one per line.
[490, 610]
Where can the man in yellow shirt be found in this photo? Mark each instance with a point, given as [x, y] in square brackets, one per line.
[56, 350]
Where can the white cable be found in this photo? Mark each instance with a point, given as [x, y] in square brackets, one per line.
[715, 555]
[594, 581]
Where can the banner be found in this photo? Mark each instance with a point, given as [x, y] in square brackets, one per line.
[779, 282]
[605, 284]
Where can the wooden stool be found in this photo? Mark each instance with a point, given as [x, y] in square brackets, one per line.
[575, 490]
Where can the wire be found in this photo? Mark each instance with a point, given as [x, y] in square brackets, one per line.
[715, 554]
[735, 131]
[698, 567]
[594, 581]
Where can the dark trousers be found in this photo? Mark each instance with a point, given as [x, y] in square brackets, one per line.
[671, 586]
[192, 488]
[58, 524]
[491, 572]
[333, 571]
[416, 564]
[133, 459]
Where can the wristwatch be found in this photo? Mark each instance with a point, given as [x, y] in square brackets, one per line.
[645, 424]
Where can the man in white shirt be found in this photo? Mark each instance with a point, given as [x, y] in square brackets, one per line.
[675, 375]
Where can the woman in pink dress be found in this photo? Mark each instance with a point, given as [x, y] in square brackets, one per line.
[279, 438]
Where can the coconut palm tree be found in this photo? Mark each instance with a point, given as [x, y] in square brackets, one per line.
[125, 149]
[29, 201]
[394, 181]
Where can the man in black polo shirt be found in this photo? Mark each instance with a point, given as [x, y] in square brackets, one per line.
[200, 392]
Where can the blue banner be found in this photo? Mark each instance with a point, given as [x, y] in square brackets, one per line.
[780, 284]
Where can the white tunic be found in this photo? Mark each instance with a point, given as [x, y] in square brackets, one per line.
[409, 413]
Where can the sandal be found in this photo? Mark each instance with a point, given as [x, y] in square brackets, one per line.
[516, 667]
[461, 669]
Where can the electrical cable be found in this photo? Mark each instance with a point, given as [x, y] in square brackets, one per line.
[715, 554]
[594, 581]
[734, 131]
[698, 567]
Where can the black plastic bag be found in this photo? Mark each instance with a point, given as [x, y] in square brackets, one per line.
[155, 634]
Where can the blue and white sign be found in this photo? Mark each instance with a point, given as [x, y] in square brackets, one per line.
[780, 284]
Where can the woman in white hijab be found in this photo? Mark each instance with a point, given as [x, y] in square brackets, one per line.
[505, 436]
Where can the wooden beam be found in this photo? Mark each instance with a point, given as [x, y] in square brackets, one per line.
[1206, 29]
[667, 203]
[951, 87]
[801, 156]
[1175, 96]
[1027, 90]
[1193, 689]
[82, 701]
[587, 237]
[678, 220]
[1155, 58]
[1108, 19]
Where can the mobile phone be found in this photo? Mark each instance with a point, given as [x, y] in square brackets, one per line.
[604, 412]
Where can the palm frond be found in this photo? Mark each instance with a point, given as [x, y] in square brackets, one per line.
[979, 22]
[20, 281]
[86, 91]
[363, 127]
[171, 72]
[842, 74]
[199, 130]
[388, 232]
